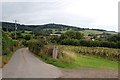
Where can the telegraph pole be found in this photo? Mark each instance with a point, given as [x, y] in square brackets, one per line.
[7, 28]
[15, 28]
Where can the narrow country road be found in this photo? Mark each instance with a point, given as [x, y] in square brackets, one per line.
[24, 64]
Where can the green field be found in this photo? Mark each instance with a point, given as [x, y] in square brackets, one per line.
[55, 30]
[86, 32]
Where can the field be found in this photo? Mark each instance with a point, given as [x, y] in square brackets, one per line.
[71, 59]
[86, 32]
[55, 30]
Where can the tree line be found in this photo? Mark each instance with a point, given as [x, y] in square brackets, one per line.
[76, 38]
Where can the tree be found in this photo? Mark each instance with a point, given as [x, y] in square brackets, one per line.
[114, 38]
[27, 37]
[72, 35]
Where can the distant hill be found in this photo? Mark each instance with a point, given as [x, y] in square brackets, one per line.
[10, 26]
[54, 28]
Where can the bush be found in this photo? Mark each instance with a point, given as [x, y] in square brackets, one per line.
[7, 44]
[72, 35]
[54, 39]
[25, 43]
[35, 46]
[27, 37]
[8, 47]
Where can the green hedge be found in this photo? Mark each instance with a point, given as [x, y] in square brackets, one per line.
[8, 47]
[35, 46]
[7, 44]
[89, 43]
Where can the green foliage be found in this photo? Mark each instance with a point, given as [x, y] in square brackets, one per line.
[25, 43]
[7, 44]
[98, 44]
[8, 47]
[27, 37]
[12, 35]
[70, 42]
[75, 38]
[89, 43]
[72, 35]
[35, 46]
[19, 35]
[114, 38]
[54, 39]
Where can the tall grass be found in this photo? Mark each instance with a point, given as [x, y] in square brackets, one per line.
[108, 53]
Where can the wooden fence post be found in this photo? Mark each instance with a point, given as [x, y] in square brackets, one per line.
[55, 52]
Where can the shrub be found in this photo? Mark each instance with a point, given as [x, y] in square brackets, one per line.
[25, 43]
[72, 35]
[35, 46]
[7, 44]
[27, 37]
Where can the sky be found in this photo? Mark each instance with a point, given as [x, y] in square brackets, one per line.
[97, 14]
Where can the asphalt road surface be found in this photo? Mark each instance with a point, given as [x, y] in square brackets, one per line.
[89, 73]
[24, 64]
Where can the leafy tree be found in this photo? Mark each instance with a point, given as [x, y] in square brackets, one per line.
[72, 35]
[35, 46]
[27, 37]
[114, 38]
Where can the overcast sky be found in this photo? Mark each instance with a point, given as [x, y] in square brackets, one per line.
[101, 14]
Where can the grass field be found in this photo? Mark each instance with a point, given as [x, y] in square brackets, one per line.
[86, 32]
[72, 60]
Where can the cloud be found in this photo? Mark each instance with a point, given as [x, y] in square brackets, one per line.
[83, 13]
